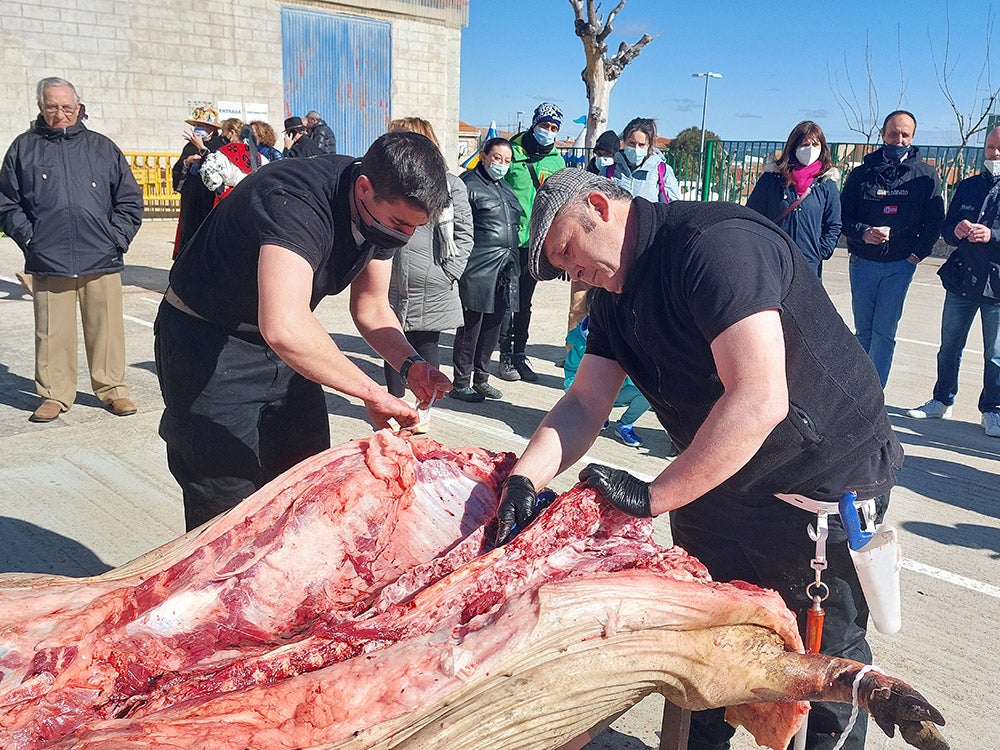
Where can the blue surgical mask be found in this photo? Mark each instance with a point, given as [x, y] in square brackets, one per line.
[201, 132]
[635, 155]
[544, 137]
[604, 161]
[895, 152]
[497, 170]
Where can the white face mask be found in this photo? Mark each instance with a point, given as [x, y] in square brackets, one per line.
[806, 155]
[604, 161]
[992, 166]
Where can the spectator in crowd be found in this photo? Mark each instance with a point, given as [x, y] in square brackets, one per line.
[605, 148]
[70, 202]
[240, 356]
[628, 396]
[266, 138]
[800, 193]
[535, 158]
[639, 167]
[892, 211]
[196, 199]
[756, 377]
[297, 140]
[224, 169]
[489, 285]
[320, 132]
[423, 288]
[971, 278]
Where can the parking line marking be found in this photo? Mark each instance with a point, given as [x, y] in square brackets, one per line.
[953, 578]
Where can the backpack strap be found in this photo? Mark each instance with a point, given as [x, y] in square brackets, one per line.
[662, 169]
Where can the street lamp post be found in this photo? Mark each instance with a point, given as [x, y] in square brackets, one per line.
[519, 113]
[704, 109]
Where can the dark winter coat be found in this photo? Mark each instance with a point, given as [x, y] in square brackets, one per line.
[69, 200]
[496, 215]
[972, 271]
[324, 137]
[815, 223]
[423, 289]
[304, 146]
[904, 196]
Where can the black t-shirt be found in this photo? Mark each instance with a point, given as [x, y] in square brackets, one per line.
[699, 269]
[299, 204]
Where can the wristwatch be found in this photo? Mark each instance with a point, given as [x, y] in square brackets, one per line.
[404, 369]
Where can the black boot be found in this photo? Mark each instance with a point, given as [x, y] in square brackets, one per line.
[524, 369]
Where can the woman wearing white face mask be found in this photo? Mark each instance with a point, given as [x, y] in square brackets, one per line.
[799, 192]
[489, 286]
[639, 167]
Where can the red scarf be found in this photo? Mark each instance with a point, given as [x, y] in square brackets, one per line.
[802, 177]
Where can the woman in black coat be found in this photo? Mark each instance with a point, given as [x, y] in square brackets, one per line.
[488, 285]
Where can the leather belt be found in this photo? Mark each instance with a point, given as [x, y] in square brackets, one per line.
[171, 296]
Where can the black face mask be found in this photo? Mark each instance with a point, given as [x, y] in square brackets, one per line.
[377, 233]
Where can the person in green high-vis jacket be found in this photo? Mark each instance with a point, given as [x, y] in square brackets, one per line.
[535, 158]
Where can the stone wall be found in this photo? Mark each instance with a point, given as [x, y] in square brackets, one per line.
[140, 66]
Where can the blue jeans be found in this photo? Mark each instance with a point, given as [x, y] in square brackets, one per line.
[956, 320]
[877, 294]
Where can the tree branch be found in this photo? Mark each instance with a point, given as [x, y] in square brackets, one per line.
[626, 54]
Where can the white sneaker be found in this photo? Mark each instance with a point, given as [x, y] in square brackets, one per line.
[991, 423]
[931, 410]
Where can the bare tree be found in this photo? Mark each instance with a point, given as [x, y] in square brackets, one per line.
[861, 116]
[984, 94]
[602, 72]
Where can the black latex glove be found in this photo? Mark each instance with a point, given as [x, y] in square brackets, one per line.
[519, 506]
[620, 488]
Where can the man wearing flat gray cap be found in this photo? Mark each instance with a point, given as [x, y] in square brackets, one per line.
[714, 314]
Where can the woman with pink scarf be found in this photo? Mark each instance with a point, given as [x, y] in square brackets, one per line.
[799, 192]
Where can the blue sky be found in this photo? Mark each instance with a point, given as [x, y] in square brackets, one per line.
[776, 59]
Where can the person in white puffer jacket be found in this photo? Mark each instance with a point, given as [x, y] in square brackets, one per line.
[640, 168]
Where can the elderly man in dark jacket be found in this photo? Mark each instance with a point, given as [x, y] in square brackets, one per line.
[320, 132]
[70, 202]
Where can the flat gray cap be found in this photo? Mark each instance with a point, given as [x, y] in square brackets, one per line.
[558, 190]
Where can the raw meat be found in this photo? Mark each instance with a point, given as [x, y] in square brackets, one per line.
[354, 603]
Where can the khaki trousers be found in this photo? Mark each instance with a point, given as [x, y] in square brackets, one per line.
[55, 300]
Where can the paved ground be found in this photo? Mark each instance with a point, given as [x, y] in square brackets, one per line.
[91, 491]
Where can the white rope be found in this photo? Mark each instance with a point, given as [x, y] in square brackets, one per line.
[854, 703]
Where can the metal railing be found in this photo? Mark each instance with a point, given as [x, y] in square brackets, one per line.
[732, 168]
[152, 171]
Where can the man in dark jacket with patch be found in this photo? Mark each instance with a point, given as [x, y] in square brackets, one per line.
[892, 210]
[971, 278]
[70, 202]
[720, 323]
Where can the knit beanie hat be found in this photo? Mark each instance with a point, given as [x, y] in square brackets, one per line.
[547, 112]
[609, 141]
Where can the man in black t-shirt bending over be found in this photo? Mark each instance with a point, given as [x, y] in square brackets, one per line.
[713, 313]
[240, 356]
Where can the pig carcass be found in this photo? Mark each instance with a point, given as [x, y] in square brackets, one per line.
[355, 602]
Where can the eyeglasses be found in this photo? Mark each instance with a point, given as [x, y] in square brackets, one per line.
[66, 109]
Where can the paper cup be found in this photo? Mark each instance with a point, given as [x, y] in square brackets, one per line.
[878, 564]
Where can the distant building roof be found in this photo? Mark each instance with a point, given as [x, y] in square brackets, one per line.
[465, 128]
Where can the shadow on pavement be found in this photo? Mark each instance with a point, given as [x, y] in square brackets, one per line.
[613, 740]
[27, 548]
[145, 277]
[968, 535]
